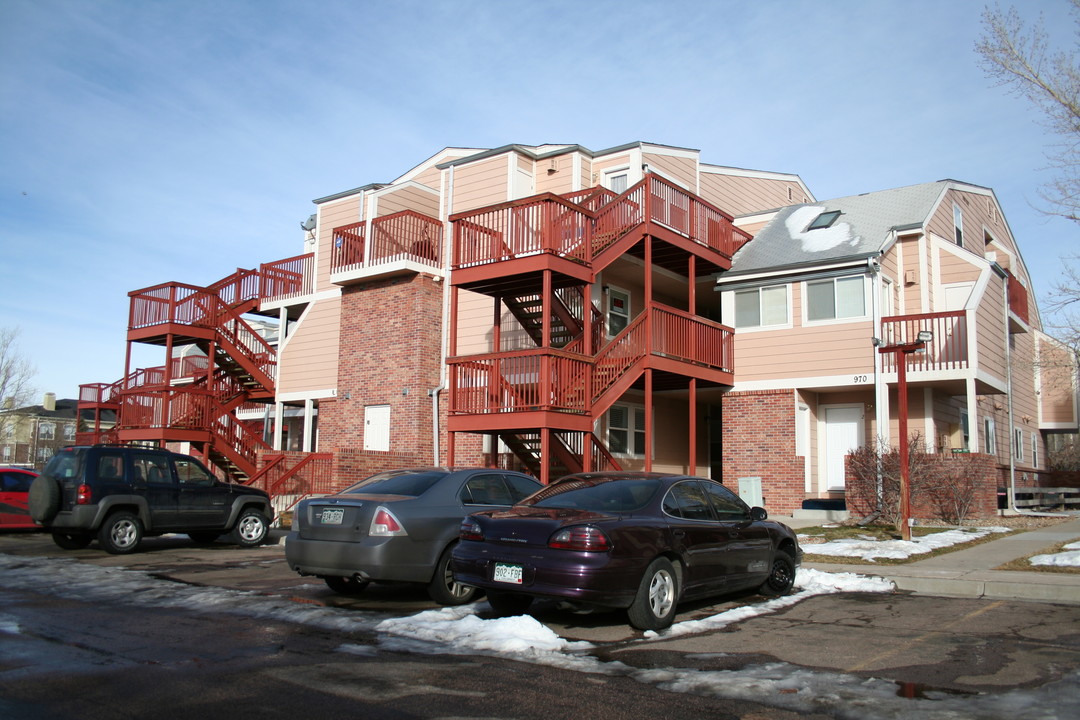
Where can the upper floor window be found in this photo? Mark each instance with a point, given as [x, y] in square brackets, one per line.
[46, 431]
[69, 432]
[618, 310]
[6, 453]
[835, 298]
[617, 180]
[1018, 443]
[760, 307]
[958, 224]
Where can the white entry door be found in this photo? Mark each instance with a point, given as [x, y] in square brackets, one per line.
[843, 433]
[377, 428]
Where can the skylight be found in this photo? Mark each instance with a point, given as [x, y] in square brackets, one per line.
[824, 220]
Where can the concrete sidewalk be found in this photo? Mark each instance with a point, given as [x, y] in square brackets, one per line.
[970, 572]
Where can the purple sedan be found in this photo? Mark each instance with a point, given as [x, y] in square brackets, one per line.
[640, 541]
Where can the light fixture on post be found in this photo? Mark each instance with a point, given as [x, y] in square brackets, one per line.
[900, 351]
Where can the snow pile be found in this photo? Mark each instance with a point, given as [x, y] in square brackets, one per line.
[1070, 557]
[822, 239]
[872, 548]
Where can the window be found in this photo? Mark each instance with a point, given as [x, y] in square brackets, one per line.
[1018, 443]
[618, 311]
[965, 430]
[46, 431]
[725, 504]
[1034, 450]
[192, 473]
[958, 224]
[824, 220]
[153, 468]
[44, 453]
[989, 441]
[7, 453]
[626, 430]
[834, 299]
[617, 179]
[687, 500]
[760, 307]
[69, 432]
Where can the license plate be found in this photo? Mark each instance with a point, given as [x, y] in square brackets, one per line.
[332, 516]
[507, 573]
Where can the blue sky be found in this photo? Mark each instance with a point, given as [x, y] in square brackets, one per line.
[143, 141]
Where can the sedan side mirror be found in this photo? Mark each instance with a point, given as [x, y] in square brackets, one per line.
[758, 514]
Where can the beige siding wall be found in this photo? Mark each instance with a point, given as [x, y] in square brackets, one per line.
[682, 169]
[475, 318]
[558, 182]
[990, 329]
[331, 215]
[956, 269]
[1056, 384]
[309, 361]
[480, 183]
[607, 162]
[802, 352]
[743, 195]
[431, 177]
[407, 197]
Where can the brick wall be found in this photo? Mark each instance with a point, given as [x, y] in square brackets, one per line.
[390, 354]
[759, 440]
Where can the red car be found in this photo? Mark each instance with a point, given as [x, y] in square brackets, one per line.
[640, 541]
[14, 491]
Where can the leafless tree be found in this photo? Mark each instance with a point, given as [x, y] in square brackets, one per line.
[16, 374]
[1020, 57]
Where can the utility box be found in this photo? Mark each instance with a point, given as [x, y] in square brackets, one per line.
[750, 491]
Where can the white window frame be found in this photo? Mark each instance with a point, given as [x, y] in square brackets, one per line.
[958, 225]
[1034, 449]
[990, 441]
[965, 429]
[608, 312]
[762, 325]
[51, 427]
[69, 432]
[612, 173]
[632, 430]
[833, 320]
[7, 453]
[1018, 442]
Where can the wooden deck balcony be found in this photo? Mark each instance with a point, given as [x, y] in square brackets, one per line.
[406, 238]
[579, 227]
[948, 351]
[553, 380]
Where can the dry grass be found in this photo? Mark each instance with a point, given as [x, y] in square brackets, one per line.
[1024, 564]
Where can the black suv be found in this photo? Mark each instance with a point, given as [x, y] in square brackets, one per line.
[118, 494]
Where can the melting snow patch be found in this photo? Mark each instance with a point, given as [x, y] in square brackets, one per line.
[1070, 557]
[821, 239]
[900, 549]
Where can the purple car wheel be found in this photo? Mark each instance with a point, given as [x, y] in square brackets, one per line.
[654, 605]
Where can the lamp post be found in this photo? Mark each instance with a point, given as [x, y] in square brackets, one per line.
[901, 351]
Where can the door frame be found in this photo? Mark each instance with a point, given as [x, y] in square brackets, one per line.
[823, 440]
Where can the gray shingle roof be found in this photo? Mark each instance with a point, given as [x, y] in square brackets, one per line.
[861, 231]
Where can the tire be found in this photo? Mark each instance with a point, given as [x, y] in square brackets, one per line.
[44, 499]
[505, 604]
[443, 589]
[203, 538]
[781, 578]
[345, 585]
[120, 533]
[657, 596]
[71, 541]
[251, 528]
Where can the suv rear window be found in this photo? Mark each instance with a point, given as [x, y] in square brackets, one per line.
[398, 482]
[66, 464]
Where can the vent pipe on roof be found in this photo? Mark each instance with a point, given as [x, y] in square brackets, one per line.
[49, 402]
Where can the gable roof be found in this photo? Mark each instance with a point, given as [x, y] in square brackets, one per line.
[863, 229]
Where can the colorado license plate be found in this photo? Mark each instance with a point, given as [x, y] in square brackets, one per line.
[332, 516]
[504, 572]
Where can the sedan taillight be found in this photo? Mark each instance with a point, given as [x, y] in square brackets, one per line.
[384, 524]
[82, 495]
[470, 530]
[581, 537]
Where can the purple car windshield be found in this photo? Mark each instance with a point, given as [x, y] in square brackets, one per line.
[599, 495]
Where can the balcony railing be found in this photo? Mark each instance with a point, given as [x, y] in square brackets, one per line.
[582, 224]
[403, 236]
[288, 278]
[947, 351]
[546, 379]
[1018, 299]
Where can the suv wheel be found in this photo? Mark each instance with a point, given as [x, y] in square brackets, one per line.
[44, 498]
[120, 533]
[251, 528]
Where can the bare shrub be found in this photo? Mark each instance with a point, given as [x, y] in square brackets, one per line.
[876, 470]
[952, 491]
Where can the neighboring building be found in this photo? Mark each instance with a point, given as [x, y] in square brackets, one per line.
[30, 436]
[554, 309]
[824, 285]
